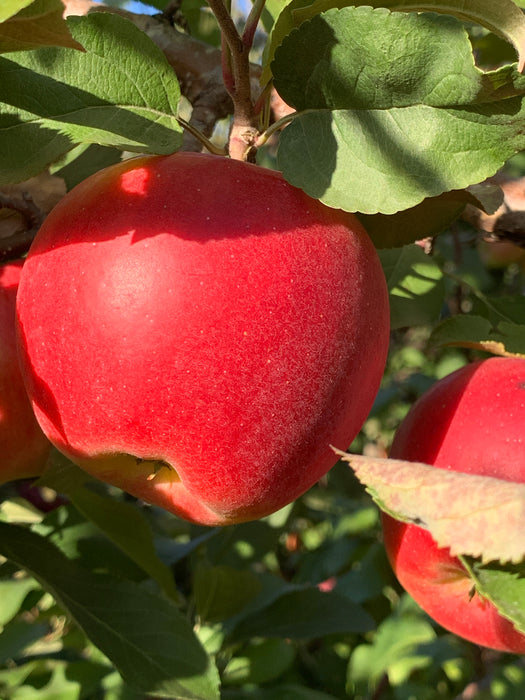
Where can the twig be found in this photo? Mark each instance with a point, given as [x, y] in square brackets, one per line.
[244, 131]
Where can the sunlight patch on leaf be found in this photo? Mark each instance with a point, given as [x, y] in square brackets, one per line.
[503, 18]
[392, 110]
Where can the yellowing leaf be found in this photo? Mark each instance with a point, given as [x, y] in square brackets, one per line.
[472, 515]
[507, 339]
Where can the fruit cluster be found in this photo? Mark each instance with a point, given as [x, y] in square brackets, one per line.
[198, 332]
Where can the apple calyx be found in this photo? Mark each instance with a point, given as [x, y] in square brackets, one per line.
[157, 466]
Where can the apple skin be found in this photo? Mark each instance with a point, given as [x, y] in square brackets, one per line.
[23, 446]
[471, 421]
[497, 255]
[200, 312]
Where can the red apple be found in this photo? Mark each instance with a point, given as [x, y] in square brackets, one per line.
[500, 254]
[23, 447]
[471, 421]
[197, 331]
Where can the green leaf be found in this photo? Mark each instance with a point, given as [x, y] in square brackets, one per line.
[471, 331]
[415, 284]
[391, 104]
[305, 613]
[261, 662]
[502, 17]
[126, 527]
[360, 58]
[488, 525]
[503, 586]
[396, 645]
[120, 92]
[144, 635]
[12, 595]
[429, 218]
[222, 591]
[40, 24]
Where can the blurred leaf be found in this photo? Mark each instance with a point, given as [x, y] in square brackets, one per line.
[11, 678]
[305, 613]
[17, 510]
[468, 331]
[503, 308]
[396, 643]
[288, 691]
[415, 284]
[260, 662]
[17, 635]
[33, 26]
[503, 18]
[490, 525]
[172, 552]
[367, 579]
[65, 681]
[388, 103]
[12, 7]
[120, 92]
[83, 161]
[429, 218]
[222, 591]
[12, 595]
[150, 642]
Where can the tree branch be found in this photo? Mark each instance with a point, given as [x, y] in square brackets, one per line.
[199, 71]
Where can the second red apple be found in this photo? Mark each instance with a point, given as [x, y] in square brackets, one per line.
[471, 421]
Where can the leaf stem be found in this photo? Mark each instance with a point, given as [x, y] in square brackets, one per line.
[211, 147]
[276, 126]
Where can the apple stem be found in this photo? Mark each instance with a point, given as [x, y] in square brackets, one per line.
[236, 74]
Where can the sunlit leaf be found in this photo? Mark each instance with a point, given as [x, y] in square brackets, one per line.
[503, 18]
[120, 92]
[490, 524]
[415, 284]
[388, 103]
